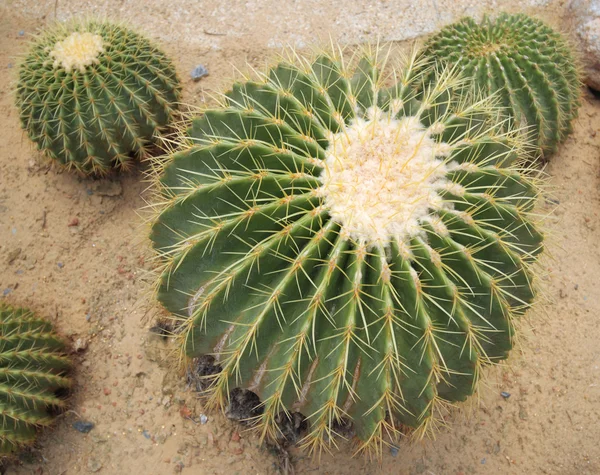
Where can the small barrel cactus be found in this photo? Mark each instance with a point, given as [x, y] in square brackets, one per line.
[92, 95]
[33, 367]
[531, 66]
[347, 249]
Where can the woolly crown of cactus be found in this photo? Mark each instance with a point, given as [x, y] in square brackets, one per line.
[92, 94]
[345, 247]
[531, 66]
[33, 367]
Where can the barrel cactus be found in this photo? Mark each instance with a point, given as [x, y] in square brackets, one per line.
[531, 66]
[346, 244]
[33, 367]
[93, 94]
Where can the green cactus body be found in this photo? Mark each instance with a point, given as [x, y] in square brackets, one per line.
[526, 62]
[92, 95]
[33, 367]
[346, 249]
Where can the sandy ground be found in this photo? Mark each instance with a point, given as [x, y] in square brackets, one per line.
[89, 277]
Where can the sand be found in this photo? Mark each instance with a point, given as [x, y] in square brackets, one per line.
[89, 278]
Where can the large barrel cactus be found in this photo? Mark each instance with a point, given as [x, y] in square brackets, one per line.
[526, 62]
[346, 247]
[33, 367]
[93, 94]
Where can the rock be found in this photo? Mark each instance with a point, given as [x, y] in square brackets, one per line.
[523, 415]
[107, 188]
[30, 263]
[156, 346]
[12, 255]
[83, 426]
[585, 23]
[80, 344]
[166, 401]
[235, 449]
[185, 412]
[170, 383]
[94, 465]
[199, 72]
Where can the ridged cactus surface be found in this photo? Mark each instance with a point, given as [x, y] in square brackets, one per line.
[93, 94]
[531, 66]
[344, 248]
[33, 367]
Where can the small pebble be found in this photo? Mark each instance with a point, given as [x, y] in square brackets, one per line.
[199, 72]
[13, 255]
[94, 465]
[394, 450]
[83, 426]
[80, 344]
[203, 419]
[74, 222]
[505, 395]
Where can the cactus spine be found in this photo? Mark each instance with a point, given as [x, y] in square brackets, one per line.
[33, 367]
[345, 249]
[530, 65]
[93, 94]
